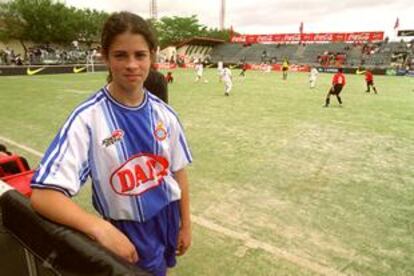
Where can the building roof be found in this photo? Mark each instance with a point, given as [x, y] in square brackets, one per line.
[198, 40]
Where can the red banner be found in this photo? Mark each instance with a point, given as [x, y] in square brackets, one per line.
[277, 67]
[310, 37]
[165, 66]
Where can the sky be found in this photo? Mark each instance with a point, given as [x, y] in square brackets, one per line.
[276, 16]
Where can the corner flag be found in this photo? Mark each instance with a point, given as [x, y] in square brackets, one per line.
[397, 23]
[301, 27]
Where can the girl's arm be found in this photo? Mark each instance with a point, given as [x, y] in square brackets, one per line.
[59, 208]
[184, 238]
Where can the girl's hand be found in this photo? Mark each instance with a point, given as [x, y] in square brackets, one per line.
[116, 241]
[184, 240]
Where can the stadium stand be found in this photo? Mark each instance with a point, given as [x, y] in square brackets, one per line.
[337, 54]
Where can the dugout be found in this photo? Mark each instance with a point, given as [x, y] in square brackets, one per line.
[197, 48]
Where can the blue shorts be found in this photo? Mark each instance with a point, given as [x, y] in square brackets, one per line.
[156, 239]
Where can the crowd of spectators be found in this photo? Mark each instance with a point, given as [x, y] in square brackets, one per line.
[332, 59]
[41, 55]
[8, 57]
[369, 49]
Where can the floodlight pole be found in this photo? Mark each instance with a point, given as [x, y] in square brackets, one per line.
[153, 9]
[222, 14]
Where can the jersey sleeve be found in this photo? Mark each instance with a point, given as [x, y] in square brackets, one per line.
[65, 166]
[180, 151]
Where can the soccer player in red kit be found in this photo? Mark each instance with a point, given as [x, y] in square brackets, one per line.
[169, 77]
[338, 82]
[369, 79]
[245, 66]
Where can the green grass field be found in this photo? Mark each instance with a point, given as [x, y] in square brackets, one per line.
[279, 184]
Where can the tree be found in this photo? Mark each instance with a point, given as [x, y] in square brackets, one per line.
[172, 30]
[12, 25]
[219, 34]
[45, 22]
[90, 23]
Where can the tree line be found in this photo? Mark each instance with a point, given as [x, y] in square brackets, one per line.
[51, 22]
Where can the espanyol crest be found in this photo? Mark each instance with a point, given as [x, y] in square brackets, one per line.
[160, 132]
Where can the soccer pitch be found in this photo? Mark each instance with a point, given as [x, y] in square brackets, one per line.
[279, 184]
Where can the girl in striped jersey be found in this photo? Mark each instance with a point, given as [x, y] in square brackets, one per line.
[133, 148]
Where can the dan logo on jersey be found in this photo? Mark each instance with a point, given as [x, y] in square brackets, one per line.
[116, 136]
[139, 174]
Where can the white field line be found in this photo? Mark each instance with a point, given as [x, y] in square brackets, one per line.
[243, 237]
[256, 244]
[23, 147]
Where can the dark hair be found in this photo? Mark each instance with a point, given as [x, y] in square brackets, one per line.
[340, 70]
[122, 22]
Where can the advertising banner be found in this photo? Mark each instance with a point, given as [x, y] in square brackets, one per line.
[309, 37]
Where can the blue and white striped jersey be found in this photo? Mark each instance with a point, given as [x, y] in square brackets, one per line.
[130, 154]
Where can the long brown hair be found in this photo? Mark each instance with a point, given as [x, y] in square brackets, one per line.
[122, 22]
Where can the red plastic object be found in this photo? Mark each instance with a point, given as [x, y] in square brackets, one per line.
[13, 159]
[21, 180]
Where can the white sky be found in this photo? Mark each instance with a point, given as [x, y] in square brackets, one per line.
[276, 16]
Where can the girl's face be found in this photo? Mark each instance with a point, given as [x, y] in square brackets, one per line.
[129, 61]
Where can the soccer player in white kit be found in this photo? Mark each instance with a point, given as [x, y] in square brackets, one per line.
[132, 146]
[313, 75]
[219, 69]
[226, 77]
[199, 68]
